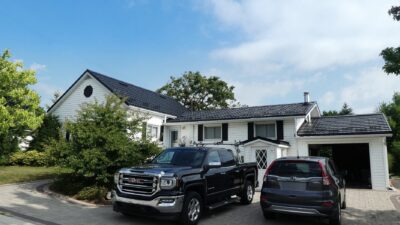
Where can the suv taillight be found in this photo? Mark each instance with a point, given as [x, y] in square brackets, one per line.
[326, 179]
[268, 170]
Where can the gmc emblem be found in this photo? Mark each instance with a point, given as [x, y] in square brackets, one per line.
[135, 181]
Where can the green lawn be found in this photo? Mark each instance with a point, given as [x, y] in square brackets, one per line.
[16, 174]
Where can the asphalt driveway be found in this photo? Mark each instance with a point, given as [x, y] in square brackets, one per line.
[23, 204]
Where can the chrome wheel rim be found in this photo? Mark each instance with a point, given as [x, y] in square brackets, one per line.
[194, 209]
[249, 192]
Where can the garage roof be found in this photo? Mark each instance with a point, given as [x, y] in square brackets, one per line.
[346, 125]
[294, 109]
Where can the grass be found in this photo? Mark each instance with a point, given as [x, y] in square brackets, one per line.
[17, 174]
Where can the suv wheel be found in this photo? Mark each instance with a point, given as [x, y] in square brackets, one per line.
[247, 194]
[269, 215]
[337, 217]
[192, 209]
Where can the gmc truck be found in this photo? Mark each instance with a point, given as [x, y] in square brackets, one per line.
[183, 182]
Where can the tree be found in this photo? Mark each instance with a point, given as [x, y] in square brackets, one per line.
[102, 140]
[346, 110]
[19, 105]
[49, 130]
[392, 112]
[198, 92]
[391, 55]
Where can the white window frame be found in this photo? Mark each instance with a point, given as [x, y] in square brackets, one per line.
[149, 130]
[266, 123]
[210, 126]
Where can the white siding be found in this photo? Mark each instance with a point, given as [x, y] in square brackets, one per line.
[379, 166]
[237, 132]
[70, 103]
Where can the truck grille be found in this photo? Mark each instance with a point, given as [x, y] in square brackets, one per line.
[140, 184]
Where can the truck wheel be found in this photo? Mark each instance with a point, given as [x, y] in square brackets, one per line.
[247, 193]
[192, 209]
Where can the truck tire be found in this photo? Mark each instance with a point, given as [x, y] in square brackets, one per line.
[192, 209]
[247, 194]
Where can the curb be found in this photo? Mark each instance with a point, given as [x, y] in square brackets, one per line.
[44, 188]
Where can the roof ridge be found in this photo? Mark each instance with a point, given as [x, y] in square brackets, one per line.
[352, 115]
[154, 92]
[255, 106]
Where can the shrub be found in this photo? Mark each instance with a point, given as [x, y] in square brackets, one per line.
[390, 161]
[92, 193]
[49, 130]
[102, 141]
[28, 158]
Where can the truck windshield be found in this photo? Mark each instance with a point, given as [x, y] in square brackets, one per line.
[181, 157]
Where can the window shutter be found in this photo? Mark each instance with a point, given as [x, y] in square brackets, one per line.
[250, 130]
[200, 132]
[279, 129]
[162, 133]
[144, 130]
[224, 131]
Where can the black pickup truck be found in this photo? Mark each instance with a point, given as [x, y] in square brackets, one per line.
[183, 182]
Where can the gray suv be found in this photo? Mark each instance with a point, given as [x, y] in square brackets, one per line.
[309, 186]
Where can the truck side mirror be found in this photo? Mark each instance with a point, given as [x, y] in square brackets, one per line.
[212, 165]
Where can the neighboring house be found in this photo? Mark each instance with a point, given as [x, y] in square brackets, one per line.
[259, 134]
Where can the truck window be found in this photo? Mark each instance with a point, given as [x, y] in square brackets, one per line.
[181, 157]
[213, 157]
[227, 158]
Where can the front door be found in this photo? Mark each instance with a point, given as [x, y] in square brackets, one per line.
[174, 138]
[262, 164]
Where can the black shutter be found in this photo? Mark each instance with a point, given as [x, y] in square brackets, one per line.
[250, 130]
[279, 129]
[144, 130]
[162, 133]
[224, 131]
[200, 132]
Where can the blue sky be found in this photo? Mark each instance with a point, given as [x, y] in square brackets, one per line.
[271, 51]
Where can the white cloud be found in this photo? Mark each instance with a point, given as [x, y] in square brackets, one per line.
[306, 34]
[37, 67]
[328, 98]
[274, 46]
[369, 88]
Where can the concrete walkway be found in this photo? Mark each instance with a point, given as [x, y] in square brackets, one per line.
[24, 205]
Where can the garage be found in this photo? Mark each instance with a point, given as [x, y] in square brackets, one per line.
[357, 144]
[352, 160]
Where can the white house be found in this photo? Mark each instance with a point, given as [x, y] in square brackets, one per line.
[357, 143]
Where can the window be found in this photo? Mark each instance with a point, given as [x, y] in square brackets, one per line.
[266, 130]
[213, 157]
[212, 132]
[181, 157]
[296, 169]
[227, 158]
[174, 136]
[152, 131]
[88, 91]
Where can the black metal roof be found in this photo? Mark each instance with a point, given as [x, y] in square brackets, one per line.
[140, 97]
[346, 125]
[295, 109]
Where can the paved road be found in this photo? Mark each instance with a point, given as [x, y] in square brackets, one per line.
[24, 203]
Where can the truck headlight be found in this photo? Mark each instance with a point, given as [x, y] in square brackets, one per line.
[167, 182]
[116, 178]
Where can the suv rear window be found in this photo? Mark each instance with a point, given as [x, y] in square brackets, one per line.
[296, 169]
